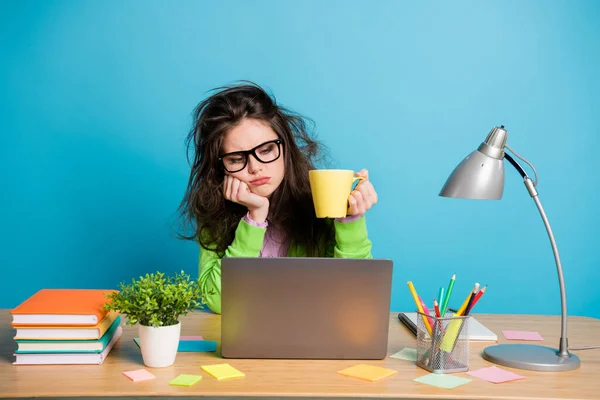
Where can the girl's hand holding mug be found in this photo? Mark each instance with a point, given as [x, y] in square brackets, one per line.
[363, 197]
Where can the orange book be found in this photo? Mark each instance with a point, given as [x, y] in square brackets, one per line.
[68, 307]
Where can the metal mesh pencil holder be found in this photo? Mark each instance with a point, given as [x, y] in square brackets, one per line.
[443, 345]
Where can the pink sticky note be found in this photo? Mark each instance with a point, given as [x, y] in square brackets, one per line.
[190, 338]
[522, 335]
[139, 375]
[495, 375]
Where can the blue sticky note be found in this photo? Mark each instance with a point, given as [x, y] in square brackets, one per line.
[197, 346]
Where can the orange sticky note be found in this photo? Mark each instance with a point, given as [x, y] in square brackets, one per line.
[223, 371]
[367, 372]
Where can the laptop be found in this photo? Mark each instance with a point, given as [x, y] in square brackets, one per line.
[305, 308]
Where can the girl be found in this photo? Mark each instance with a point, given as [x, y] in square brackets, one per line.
[248, 193]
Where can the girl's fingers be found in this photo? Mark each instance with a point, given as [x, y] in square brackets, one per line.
[359, 202]
[227, 187]
[372, 194]
[235, 185]
[368, 192]
[242, 191]
[363, 173]
[352, 205]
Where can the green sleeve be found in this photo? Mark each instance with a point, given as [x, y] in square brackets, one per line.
[248, 242]
[351, 240]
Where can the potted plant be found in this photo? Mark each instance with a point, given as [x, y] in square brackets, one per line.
[156, 302]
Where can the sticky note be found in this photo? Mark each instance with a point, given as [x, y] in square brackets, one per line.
[495, 375]
[139, 375]
[367, 372]
[186, 380]
[190, 338]
[223, 371]
[522, 335]
[197, 346]
[406, 354]
[442, 380]
[191, 345]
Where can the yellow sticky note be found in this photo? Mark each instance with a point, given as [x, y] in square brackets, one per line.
[223, 371]
[185, 380]
[367, 372]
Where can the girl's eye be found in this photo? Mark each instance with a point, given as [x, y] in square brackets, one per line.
[266, 149]
[236, 160]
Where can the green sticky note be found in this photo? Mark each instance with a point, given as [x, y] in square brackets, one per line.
[185, 380]
[442, 380]
[406, 354]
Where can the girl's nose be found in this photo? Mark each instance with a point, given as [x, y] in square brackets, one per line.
[254, 165]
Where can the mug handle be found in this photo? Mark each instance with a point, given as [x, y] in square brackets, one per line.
[357, 178]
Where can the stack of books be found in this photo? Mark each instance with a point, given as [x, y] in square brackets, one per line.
[65, 326]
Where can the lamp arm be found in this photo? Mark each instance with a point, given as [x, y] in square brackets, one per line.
[563, 350]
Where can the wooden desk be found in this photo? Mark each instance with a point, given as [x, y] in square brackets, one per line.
[298, 378]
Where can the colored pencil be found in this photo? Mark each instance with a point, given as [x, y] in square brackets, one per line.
[477, 297]
[473, 294]
[446, 300]
[437, 308]
[419, 305]
[426, 311]
[465, 304]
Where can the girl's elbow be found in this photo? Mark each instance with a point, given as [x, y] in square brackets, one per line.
[213, 302]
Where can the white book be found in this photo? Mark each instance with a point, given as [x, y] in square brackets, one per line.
[68, 358]
[477, 331]
[55, 319]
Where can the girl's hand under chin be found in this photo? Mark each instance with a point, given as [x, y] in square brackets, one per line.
[363, 197]
[238, 192]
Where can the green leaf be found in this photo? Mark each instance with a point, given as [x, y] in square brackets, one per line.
[157, 300]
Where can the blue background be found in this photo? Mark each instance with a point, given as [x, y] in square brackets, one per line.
[96, 99]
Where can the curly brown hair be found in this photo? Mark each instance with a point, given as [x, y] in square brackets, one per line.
[213, 220]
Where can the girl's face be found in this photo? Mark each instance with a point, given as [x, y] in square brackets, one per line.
[262, 178]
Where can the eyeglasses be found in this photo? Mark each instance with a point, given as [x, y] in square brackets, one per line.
[266, 152]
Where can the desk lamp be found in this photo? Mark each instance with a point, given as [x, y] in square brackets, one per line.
[481, 176]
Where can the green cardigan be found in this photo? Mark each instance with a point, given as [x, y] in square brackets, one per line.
[351, 241]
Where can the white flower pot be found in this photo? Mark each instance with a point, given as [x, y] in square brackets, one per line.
[159, 345]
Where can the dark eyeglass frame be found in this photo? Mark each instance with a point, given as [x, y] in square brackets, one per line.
[246, 154]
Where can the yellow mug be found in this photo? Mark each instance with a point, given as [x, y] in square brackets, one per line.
[330, 190]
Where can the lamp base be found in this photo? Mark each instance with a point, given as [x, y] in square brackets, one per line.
[529, 356]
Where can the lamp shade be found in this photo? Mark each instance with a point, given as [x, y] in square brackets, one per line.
[480, 175]
[477, 177]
